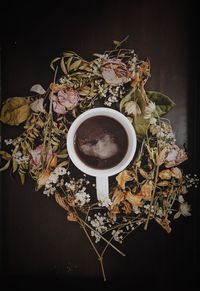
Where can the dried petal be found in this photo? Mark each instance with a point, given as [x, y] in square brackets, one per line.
[132, 108]
[43, 178]
[124, 177]
[117, 198]
[176, 173]
[72, 216]
[134, 200]
[146, 190]
[165, 174]
[37, 105]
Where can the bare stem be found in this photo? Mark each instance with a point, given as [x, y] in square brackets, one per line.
[102, 268]
[152, 198]
[104, 239]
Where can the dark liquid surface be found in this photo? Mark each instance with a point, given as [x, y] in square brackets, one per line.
[101, 142]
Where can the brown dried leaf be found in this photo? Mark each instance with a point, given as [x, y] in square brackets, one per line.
[134, 200]
[71, 200]
[117, 198]
[15, 110]
[44, 175]
[124, 177]
[60, 200]
[165, 224]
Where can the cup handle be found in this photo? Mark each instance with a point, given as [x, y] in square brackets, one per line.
[102, 187]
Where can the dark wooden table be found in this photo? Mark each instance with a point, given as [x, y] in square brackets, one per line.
[38, 245]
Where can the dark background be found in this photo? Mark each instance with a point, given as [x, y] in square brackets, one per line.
[38, 246]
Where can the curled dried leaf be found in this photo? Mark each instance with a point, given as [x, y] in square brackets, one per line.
[60, 200]
[163, 183]
[162, 156]
[124, 177]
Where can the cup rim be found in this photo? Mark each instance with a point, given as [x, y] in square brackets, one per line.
[123, 120]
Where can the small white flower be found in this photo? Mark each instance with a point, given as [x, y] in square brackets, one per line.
[149, 109]
[153, 120]
[132, 108]
[105, 202]
[185, 209]
[181, 199]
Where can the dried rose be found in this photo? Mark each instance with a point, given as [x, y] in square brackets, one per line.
[64, 101]
[37, 153]
[114, 72]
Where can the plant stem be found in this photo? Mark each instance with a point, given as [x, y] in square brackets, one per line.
[152, 198]
[102, 268]
[104, 239]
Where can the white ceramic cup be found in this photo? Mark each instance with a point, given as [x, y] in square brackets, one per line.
[102, 184]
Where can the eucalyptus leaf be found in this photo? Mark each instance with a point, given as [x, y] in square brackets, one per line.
[75, 65]
[163, 103]
[52, 63]
[6, 166]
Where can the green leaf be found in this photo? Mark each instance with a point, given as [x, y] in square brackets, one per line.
[163, 103]
[52, 63]
[141, 126]
[75, 65]
[68, 54]
[6, 166]
[63, 67]
[15, 165]
[69, 63]
[22, 178]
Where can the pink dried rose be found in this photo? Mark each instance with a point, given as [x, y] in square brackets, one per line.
[64, 101]
[115, 72]
[36, 155]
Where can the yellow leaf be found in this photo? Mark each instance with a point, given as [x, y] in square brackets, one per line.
[123, 177]
[15, 110]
